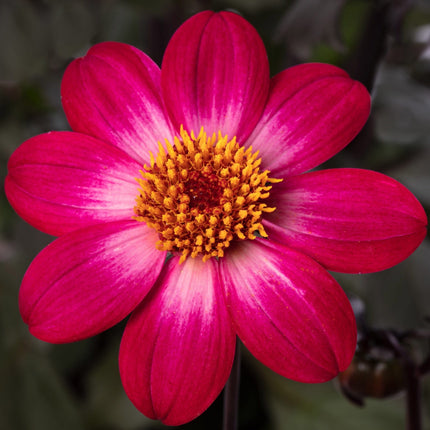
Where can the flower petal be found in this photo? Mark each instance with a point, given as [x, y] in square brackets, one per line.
[349, 220]
[313, 111]
[215, 74]
[289, 312]
[178, 346]
[89, 280]
[113, 93]
[61, 181]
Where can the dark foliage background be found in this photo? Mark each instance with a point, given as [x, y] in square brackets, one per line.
[383, 43]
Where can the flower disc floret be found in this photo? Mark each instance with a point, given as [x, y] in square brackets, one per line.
[203, 193]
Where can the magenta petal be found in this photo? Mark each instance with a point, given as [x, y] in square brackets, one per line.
[178, 346]
[113, 93]
[215, 74]
[61, 181]
[313, 111]
[289, 312]
[89, 280]
[349, 220]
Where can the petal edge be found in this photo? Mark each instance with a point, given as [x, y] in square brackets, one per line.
[178, 346]
[349, 220]
[215, 74]
[88, 280]
[313, 111]
[302, 326]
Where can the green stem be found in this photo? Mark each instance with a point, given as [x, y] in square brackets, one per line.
[413, 385]
[231, 393]
[413, 397]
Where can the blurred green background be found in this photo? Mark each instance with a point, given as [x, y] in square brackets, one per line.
[383, 43]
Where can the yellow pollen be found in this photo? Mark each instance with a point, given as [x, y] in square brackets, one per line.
[202, 193]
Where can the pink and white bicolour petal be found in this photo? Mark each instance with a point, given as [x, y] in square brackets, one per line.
[313, 111]
[215, 74]
[288, 311]
[349, 220]
[178, 346]
[61, 181]
[113, 93]
[87, 281]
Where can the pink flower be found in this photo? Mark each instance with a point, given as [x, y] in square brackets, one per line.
[250, 235]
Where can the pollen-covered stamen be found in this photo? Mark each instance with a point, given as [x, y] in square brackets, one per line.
[202, 193]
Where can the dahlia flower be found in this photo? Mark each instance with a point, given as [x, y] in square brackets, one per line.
[184, 196]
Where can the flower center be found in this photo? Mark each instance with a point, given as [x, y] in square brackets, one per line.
[202, 194]
[204, 189]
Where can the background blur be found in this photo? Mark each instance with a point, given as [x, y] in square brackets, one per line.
[385, 44]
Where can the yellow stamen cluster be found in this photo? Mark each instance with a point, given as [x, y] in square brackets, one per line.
[202, 193]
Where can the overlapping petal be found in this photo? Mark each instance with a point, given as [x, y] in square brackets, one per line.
[61, 181]
[215, 75]
[178, 346]
[313, 111]
[89, 280]
[349, 220]
[289, 312]
[113, 93]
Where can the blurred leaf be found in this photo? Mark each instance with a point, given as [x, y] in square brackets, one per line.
[321, 407]
[23, 102]
[420, 275]
[389, 296]
[401, 113]
[72, 26]
[253, 6]
[302, 29]
[108, 406]
[416, 176]
[121, 21]
[32, 397]
[401, 107]
[24, 36]
[353, 17]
